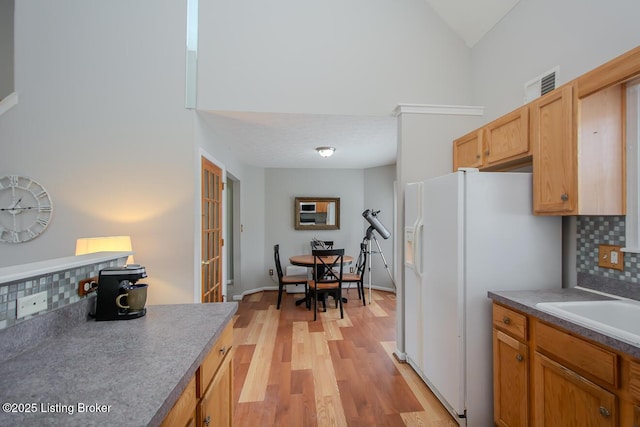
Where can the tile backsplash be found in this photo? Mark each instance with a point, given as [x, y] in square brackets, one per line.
[62, 288]
[593, 231]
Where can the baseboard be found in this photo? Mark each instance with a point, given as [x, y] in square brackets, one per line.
[275, 288]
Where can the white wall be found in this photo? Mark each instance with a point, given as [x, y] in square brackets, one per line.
[252, 204]
[282, 186]
[537, 35]
[359, 57]
[101, 124]
[379, 190]
[577, 36]
[357, 189]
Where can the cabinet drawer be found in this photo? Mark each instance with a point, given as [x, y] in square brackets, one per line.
[509, 321]
[212, 362]
[183, 412]
[590, 360]
[634, 379]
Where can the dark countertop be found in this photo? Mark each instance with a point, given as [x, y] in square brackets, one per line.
[525, 301]
[135, 370]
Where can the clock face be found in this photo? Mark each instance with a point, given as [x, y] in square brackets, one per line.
[25, 209]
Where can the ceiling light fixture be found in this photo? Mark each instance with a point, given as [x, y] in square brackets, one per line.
[325, 151]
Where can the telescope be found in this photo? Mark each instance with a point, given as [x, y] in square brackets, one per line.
[370, 216]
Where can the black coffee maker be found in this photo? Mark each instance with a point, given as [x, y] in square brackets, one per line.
[113, 282]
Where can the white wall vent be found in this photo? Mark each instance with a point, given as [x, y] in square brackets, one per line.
[542, 84]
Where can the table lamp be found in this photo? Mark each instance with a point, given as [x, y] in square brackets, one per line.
[89, 245]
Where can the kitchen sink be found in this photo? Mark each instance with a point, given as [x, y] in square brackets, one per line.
[617, 318]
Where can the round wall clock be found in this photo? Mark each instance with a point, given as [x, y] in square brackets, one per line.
[25, 209]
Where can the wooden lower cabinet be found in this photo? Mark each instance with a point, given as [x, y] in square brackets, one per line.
[510, 381]
[208, 399]
[215, 408]
[546, 376]
[183, 413]
[564, 398]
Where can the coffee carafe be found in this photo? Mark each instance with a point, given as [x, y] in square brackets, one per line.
[119, 297]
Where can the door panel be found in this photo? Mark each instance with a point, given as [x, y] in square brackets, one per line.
[212, 242]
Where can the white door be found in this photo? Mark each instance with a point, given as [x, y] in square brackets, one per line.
[443, 288]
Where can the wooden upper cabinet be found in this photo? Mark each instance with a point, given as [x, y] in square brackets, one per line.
[554, 153]
[573, 137]
[467, 151]
[578, 152]
[507, 138]
[501, 144]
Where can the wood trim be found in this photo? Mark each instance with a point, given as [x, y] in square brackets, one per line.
[616, 71]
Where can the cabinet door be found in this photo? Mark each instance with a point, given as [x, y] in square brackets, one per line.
[183, 413]
[507, 138]
[554, 153]
[215, 407]
[510, 381]
[467, 151]
[564, 398]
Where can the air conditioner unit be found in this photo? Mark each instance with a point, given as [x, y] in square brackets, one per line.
[544, 83]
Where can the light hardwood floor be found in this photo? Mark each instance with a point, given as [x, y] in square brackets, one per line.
[292, 371]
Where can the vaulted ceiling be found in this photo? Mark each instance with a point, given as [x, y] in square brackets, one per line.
[288, 140]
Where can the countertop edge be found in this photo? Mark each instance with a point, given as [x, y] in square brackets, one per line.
[186, 378]
[524, 301]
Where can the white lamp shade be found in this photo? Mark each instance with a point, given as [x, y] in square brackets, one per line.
[89, 245]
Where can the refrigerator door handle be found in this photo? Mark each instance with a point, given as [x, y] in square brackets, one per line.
[417, 242]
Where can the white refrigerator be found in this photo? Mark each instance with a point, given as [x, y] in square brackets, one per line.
[467, 233]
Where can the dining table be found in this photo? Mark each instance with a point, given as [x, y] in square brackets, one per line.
[308, 260]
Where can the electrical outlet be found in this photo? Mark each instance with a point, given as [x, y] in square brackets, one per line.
[31, 304]
[86, 286]
[351, 270]
[610, 256]
[271, 272]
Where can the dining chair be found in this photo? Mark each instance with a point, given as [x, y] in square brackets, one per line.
[358, 276]
[298, 279]
[327, 277]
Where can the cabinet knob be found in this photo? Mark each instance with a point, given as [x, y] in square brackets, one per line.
[564, 197]
[205, 262]
[486, 153]
[477, 156]
[519, 358]
[207, 420]
[604, 411]
[506, 320]
[223, 350]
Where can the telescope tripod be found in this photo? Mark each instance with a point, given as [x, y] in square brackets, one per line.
[367, 239]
